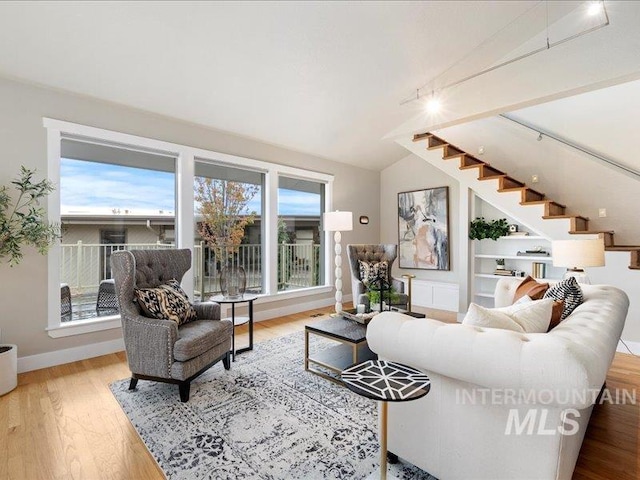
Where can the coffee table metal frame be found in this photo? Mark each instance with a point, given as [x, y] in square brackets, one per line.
[348, 351]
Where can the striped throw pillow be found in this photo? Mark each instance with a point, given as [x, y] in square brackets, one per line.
[569, 292]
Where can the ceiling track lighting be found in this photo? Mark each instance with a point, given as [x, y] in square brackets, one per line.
[594, 8]
[539, 136]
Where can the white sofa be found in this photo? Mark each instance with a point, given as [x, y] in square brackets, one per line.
[551, 377]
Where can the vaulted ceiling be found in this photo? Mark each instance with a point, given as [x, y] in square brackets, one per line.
[325, 78]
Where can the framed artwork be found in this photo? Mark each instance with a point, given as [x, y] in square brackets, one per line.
[423, 229]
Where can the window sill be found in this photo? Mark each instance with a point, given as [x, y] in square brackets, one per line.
[107, 323]
[288, 294]
[84, 326]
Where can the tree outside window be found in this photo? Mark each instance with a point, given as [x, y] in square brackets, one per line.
[223, 206]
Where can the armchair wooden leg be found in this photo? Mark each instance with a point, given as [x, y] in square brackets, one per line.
[226, 361]
[184, 388]
[132, 383]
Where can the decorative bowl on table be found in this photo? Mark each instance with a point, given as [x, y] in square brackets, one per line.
[363, 318]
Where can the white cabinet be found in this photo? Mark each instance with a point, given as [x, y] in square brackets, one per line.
[486, 252]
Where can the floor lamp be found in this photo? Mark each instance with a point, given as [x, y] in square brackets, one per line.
[338, 222]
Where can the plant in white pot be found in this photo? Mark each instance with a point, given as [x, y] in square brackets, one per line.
[23, 222]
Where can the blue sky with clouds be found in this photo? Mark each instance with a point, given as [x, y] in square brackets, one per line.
[86, 185]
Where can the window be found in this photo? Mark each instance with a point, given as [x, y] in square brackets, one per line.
[119, 191]
[110, 199]
[228, 226]
[300, 238]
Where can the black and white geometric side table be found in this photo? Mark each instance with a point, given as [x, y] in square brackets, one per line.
[386, 382]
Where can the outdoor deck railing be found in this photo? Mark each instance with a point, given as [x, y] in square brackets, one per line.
[83, 266]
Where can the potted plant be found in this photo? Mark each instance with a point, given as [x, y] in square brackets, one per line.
[494, 229]
[23, 222]
[390, 296]
[500, 263]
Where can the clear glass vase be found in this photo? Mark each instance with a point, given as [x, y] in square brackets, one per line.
[233, 281]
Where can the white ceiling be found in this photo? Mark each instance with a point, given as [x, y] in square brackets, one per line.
[324, 78]
[603, 121]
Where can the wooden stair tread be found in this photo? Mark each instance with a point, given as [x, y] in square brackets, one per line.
[453, 155]
[418, 137]
[622, 248]
[511, 182]
[634, 267]
[542, 202]
[553, 217]
[535, 192]
[492, 177]
[511, 189]
[591, 232]
[467, 167]
[435, 142]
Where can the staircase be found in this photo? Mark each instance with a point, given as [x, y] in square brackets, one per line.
[528, 197]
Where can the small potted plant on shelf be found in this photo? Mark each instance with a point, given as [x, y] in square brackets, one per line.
[23, 222]
[500, 263]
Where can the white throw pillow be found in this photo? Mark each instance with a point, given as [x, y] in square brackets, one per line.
[526, 317]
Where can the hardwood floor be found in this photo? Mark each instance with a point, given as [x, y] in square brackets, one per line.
[64, 423]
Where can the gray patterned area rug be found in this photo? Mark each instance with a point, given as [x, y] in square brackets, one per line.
[266, 418]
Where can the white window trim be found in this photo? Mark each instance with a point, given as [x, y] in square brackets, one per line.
[186, 157]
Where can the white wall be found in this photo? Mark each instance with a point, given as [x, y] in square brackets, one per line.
[413, 173]
[23, 295]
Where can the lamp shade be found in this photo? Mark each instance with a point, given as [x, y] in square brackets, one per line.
[578, 253]
[338, 221]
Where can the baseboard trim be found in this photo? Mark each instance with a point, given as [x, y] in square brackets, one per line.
[633, 346]
[60, 357]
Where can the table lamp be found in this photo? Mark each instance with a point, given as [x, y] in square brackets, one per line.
[338, 222]
[577, 254]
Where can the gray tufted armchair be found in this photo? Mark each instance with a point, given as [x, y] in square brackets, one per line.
[161, 350]
[373, 253]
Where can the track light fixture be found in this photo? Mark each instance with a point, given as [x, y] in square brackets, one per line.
[594, 8]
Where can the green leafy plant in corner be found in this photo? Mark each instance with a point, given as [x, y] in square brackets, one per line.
[24, 221]
[494, 229]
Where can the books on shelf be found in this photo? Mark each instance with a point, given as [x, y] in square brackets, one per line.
[538, 270]
[518, 234]
[504, 272]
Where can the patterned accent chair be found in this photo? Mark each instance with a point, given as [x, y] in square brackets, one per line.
[160, 350]
[373, 254]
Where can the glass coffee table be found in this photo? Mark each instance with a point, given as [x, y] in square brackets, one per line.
[351, 346]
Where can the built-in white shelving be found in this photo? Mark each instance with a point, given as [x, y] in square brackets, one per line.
[486, 252]
[534, 258]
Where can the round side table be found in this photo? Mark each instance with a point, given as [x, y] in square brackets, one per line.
[249, 298]
[386, 382]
